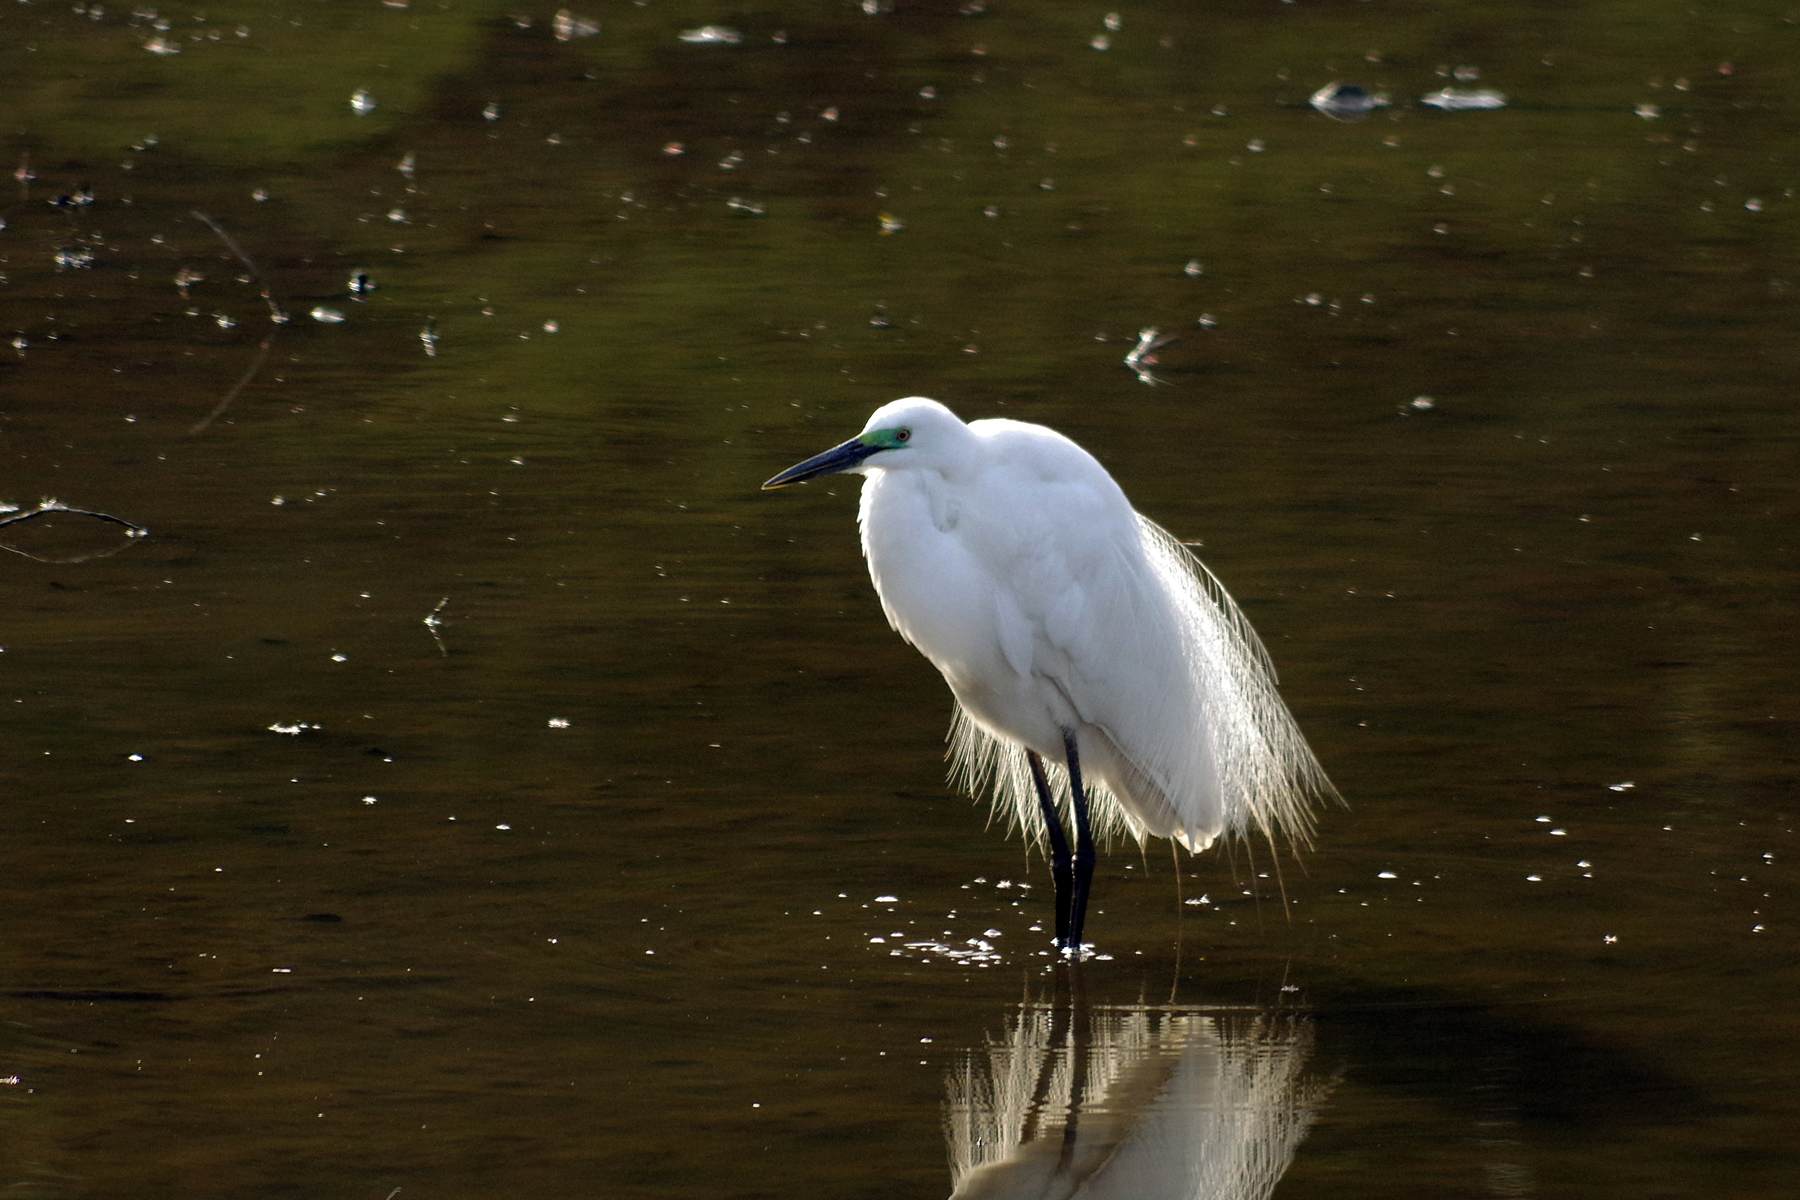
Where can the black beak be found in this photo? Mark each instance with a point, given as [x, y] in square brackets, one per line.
[834, 460]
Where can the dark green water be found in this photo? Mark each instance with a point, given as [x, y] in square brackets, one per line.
[573, 891]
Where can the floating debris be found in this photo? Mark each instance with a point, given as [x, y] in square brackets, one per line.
[75, 259]
[712, 35]
[1347, 101]
[328, 316]
[1464, 99]
[978, 952]
[1143, 355]
[17, 516]
[738, 204]
[162, 46]
[434, 621]
[428, 337]
[890, 223]
[361, 102]
[361, 283]
[567, 26]
[296, 728]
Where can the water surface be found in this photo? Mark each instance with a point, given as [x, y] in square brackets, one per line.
[1485, 417]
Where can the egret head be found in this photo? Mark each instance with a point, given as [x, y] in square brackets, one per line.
[898, 433]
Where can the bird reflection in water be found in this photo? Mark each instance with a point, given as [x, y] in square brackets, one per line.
[1141, 1101]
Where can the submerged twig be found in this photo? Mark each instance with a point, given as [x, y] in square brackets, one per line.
[133, 531]
[275, 321]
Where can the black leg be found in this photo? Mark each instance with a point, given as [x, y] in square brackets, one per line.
[1060, 865]
[1083, 864]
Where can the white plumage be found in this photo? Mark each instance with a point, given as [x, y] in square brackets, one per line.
[1060, 617]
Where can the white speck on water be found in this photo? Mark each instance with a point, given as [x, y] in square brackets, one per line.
[327, 316]
[1386, 875]
[1534, 879]
[369, 799]
[558, 722]
[711, 35]
[1464, 99]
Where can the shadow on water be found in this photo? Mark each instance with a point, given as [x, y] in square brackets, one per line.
[1088, 1097]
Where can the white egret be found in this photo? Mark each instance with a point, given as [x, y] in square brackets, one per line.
[1071, 629]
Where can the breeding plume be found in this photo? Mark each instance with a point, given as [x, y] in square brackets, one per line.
[1100, 672]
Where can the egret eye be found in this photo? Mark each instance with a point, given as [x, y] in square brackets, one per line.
[903, 435]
